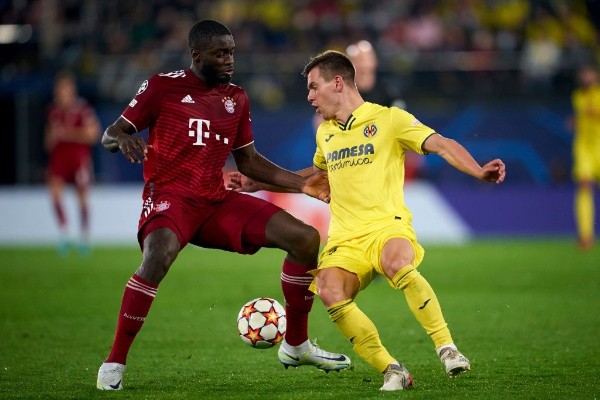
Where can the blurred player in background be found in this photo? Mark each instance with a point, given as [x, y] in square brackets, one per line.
[196, 118]
[362, 147]
[586, 152]
[72, 128]
[363, 56]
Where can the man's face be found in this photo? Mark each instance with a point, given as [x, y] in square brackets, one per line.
[65, 92]
[216, 61]
[321, 94]
[588, 77]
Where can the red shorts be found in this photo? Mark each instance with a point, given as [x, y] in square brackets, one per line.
[237, 223]
[71, 163]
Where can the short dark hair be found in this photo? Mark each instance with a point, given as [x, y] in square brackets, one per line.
[201, 33]
[331, 63]
[65, 75]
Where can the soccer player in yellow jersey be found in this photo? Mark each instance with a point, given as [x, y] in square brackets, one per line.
[586, 152]
[361, 146]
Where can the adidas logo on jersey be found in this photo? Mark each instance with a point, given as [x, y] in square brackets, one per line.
[187, 99]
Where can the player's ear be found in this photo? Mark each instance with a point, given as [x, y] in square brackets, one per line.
[339, 83]
[196, 54]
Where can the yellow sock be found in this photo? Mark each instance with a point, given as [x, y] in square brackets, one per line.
[584, 212]
[361, 332]
[424, 304]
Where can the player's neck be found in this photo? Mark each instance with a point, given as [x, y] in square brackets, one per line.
[348, 106]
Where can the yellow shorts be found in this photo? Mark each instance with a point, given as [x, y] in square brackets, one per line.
[361, 254]
[586, 164]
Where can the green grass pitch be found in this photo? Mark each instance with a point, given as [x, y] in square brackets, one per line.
[527, 314]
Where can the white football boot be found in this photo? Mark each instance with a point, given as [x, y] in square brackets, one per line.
[316, 356]
[454, 361]
[396, 377]
[110, 376]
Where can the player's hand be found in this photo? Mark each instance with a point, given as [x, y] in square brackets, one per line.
[241, 183]
[317, 186]
[134, 148]
[494, 171]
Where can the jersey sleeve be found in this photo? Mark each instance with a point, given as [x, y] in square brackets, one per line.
[410, 132]
[318, 158]
[144, 107]
[244, 134]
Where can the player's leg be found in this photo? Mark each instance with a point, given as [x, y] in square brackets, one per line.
[244, 224]
[82, 188]
[398, 263]
[586, 166]
[160, 248]
[301, 242]
[584, 213]
[337, 288]
[56, 188]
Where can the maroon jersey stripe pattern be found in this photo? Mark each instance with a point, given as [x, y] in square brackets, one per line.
[192, 129]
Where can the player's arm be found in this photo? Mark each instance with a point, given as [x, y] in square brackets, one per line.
[457, 156]
[241, 183]
[120, 136]
[253, 165]
[90, 129]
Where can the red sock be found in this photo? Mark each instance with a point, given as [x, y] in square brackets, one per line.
[59, 211]
[298, 300]
[137, 299]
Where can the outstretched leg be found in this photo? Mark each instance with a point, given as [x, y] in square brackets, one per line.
[397, 261]
[301, 242]
[160, 250]
[337, 289]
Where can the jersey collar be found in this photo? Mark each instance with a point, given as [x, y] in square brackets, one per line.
[351, 119]
[346, 125]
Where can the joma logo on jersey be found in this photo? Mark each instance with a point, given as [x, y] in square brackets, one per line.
[199, 128]
[354, 151]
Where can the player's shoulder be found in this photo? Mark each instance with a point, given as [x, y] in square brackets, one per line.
[375, 110]
[180, 74]
[162, 79]
[82, 105]
[235, 90]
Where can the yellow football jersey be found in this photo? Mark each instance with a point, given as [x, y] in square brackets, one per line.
[586, 145]
[586, 104]
[364, 159]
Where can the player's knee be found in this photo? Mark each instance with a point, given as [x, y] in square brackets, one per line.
[393, 269]
[330, 295]
[158, 256]
[306, 243]
[334, 286]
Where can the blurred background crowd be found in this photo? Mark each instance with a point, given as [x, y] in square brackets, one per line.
[465, 67]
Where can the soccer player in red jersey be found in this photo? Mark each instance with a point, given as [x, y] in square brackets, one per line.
[196, 118]
[72, 128]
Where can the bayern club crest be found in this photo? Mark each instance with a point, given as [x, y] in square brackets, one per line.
[162, 206]
[229, 104]
[370, 130]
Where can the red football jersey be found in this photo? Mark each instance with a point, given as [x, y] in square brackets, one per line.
[60, 123]
[192, 129]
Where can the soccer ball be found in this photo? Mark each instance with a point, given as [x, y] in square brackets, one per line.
[261, 322]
